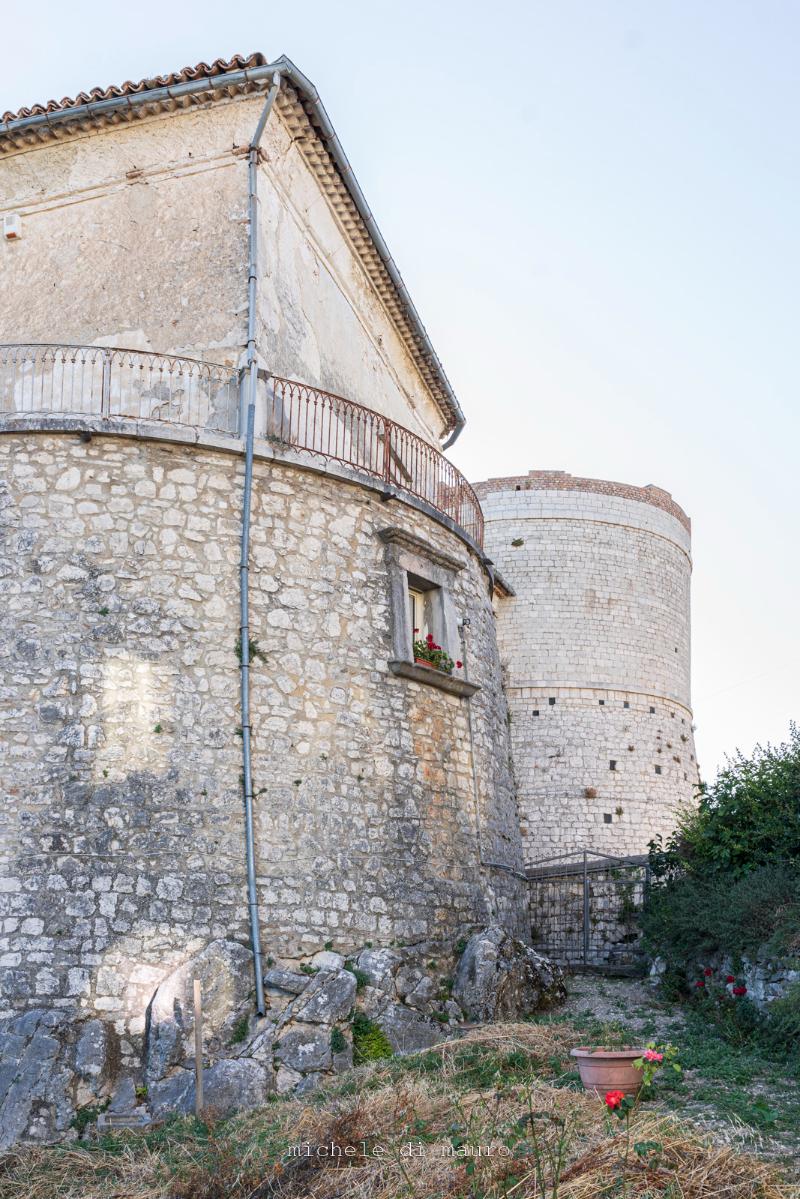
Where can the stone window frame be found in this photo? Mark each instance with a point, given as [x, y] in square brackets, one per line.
[412, 562]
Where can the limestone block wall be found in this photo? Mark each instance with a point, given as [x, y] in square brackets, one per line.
[121, 817]
[136, 236]
[596, 649]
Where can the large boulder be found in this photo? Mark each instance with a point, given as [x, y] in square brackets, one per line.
[407, 1031]
[34, 1082]
[225, 972]
[501, 978]
[328, 998]
[306, 1050]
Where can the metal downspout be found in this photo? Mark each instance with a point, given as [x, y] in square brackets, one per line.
[251, 378]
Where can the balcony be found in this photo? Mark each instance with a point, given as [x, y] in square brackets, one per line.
[116, 388]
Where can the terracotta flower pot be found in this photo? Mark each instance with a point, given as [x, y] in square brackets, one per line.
[423, 662]
[608, 1069]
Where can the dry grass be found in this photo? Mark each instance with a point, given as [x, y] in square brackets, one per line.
[495, 1090]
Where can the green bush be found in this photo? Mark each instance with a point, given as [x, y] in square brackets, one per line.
[338, 1041]
[781, 1030]
[686, 920]
[370, 1043]
[748, 817]
[728, 882]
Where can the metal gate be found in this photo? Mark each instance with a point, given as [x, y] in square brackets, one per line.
[584, 909]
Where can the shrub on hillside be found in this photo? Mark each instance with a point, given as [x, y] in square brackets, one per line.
[728, 880]
[689, 919]
[748, 817]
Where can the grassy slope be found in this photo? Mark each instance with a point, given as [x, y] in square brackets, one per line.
[736, 1091]
[506, 1091]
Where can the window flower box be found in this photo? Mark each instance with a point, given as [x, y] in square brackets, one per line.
[427, 653]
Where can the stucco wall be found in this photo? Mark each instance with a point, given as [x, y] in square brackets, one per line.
[596, 647]
[121, 806]
[137, 236]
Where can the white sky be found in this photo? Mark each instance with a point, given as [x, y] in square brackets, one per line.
[595, 207]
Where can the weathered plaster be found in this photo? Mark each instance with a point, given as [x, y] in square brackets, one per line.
[138, 236]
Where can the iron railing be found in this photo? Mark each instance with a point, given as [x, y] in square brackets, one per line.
[335, 428]
[110, 383]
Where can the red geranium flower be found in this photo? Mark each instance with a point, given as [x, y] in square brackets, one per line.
[708, 972]
[614, 1099]
[740, 990]
[699, 983]
[416, 630]
[650, 1055]
[730, 978]
[459, 665]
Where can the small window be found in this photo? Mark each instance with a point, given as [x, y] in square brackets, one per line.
[612, 765]
[420, 581]
[551, 701]
[418, 618]
[606, 818]
[626, 704]
[658, 770]
[425, 612]
[652, 710]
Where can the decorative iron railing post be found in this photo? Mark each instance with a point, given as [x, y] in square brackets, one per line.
[585, 910]
[105, 395]
[387, 450]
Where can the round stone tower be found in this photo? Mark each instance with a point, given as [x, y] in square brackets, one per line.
[595, 640]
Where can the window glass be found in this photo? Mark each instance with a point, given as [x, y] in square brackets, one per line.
[417, 615]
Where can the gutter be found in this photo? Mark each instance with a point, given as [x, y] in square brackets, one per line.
[283, 67]
[251, 383]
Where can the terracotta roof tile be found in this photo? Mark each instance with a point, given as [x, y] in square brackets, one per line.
[202, 70]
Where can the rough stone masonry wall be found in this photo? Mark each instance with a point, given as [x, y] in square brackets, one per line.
[596, 649]
[121, 805]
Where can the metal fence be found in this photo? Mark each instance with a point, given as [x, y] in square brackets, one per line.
[584, 909]
[111, 383]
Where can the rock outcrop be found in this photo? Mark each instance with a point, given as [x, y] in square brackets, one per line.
[59, 1072]
[501, 978]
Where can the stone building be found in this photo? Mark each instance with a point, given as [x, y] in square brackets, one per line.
[595, 643]
[224, 514]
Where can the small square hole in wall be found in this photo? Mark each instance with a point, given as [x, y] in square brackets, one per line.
[626, 704]
[602, 703]
[536, 711]
[551, 700]
[606, 818]
[612, 765]
[652, 711]
[658, 770]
